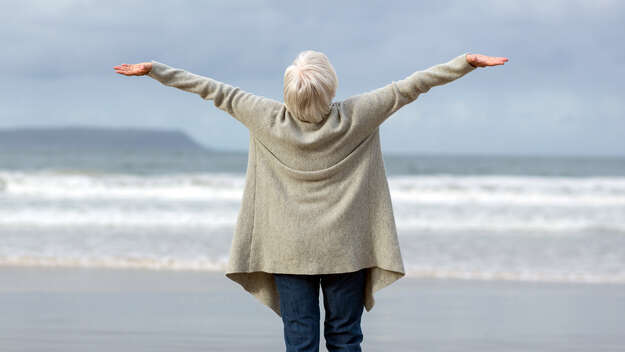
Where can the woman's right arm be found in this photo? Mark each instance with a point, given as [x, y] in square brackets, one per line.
[251, 110]
[370, 109]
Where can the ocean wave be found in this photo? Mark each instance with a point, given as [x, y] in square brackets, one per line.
[526, 276]
[521, 190]
[118, 217]
[422, 203]
[220, 265]
[409, 220]
[55, 185]
[117, 263]
[225, 217]
[414, 189]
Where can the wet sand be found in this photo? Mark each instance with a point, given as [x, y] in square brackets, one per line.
[74, 309]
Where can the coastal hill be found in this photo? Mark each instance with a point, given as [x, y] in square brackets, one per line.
[96, 139]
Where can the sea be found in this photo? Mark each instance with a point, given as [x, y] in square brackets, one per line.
[478, 217]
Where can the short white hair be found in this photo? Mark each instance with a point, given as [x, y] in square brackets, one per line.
[310, 84]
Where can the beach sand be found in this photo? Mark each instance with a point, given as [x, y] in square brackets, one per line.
[85, 309]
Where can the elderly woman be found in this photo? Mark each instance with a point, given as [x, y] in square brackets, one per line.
[316, 209]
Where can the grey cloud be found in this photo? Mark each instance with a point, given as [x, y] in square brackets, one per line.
[565, 65]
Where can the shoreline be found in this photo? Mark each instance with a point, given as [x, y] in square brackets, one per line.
[143, 271]
[103, 309]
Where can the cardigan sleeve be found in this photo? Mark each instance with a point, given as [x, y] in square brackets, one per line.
[370, 109]
[252, 110]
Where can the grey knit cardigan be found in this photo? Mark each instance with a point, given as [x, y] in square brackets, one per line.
[316, 198]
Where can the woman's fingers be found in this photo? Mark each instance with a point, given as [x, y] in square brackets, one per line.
[129, 70]
[139, 69]
[497, 60]
[125, 72]
[483, 60]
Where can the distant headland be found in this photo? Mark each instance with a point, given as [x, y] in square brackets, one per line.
[97, 139]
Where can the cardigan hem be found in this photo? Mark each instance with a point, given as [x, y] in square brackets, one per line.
[261, 284]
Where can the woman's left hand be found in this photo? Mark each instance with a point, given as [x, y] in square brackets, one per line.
[140, 69]
[478, 60]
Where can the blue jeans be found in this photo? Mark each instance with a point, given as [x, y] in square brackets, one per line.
[343, 301]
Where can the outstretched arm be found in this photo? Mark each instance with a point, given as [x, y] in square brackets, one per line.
[370, 109]
[251, 110]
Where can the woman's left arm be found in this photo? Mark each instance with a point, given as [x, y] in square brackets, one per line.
[371, 109]
[248, 108]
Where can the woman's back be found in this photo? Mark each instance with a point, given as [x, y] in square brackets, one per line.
[316, 199]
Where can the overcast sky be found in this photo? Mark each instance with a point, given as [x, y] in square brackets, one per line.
[560, 93]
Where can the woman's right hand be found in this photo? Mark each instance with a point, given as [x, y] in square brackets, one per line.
[478, 60]
[135, 69]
